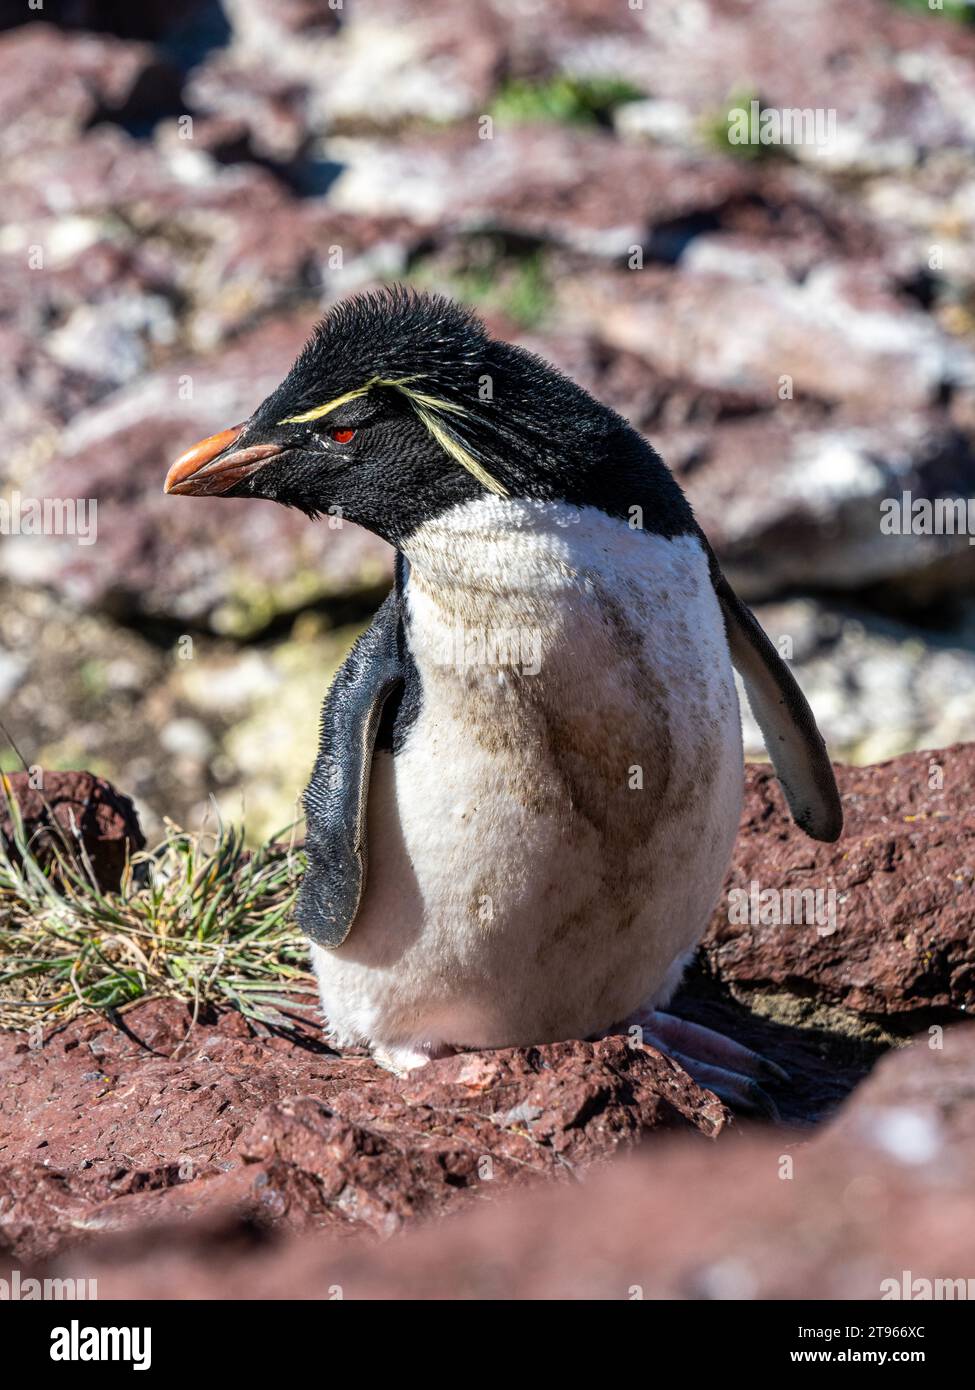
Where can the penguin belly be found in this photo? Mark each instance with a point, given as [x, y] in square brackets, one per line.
[548, 841]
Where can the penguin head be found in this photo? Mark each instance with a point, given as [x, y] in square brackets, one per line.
[401, 406]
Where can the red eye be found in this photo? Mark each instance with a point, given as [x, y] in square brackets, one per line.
[342, 436]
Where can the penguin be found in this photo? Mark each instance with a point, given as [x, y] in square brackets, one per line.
[530, 771]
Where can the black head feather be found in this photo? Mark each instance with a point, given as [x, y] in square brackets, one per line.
[390, 333]
[520, 422]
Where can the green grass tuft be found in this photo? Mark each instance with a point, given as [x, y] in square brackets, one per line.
[492, 280]
[565, 99]
[716, 131]
[200, 919]
[962, 11]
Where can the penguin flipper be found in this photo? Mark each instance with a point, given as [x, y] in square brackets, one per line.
[337, 795]
[788, 725]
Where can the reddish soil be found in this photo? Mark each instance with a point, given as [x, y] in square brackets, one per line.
[138, 1143]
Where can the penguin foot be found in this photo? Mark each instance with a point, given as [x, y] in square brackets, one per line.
[403, 1058]
[733, 1072]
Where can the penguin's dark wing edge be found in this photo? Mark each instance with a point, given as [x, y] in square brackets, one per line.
[337, 795]
[788, 726]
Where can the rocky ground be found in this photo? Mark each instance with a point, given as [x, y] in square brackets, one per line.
[186, 187]
[167, 1157]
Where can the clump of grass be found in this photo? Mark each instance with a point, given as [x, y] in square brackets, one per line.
[200, 919]
[716, 131]
[492, 279]
[565, 99]
[960, 10]
[519, 289]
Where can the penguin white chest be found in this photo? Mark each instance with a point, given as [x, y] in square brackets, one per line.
[547, 844]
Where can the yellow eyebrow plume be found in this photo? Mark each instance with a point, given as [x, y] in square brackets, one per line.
[457, 451]
[427, 408]
[318, 411]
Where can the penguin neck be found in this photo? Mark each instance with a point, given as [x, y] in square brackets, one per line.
[489, 587]
[496, 550]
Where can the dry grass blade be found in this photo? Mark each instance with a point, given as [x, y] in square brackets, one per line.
[200, 919]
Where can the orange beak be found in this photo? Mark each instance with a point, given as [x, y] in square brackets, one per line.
[208, 469]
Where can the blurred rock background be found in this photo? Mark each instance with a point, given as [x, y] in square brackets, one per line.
[186, 186]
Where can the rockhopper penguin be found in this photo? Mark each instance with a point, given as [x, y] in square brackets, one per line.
[530, 772]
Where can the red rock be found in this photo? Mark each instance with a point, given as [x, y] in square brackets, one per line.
[107, 169]
[837, 344]
[169, 1126]
[559, 185]
[886, 1189]
[39, 1210]
[82, 805]
[55, 85]
[168, 1121]
[790, 491]
[236, 564]
[371, 65]
[903, 878]
[267, 112]
[263, 19]
[790, 502]
[790, 55]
